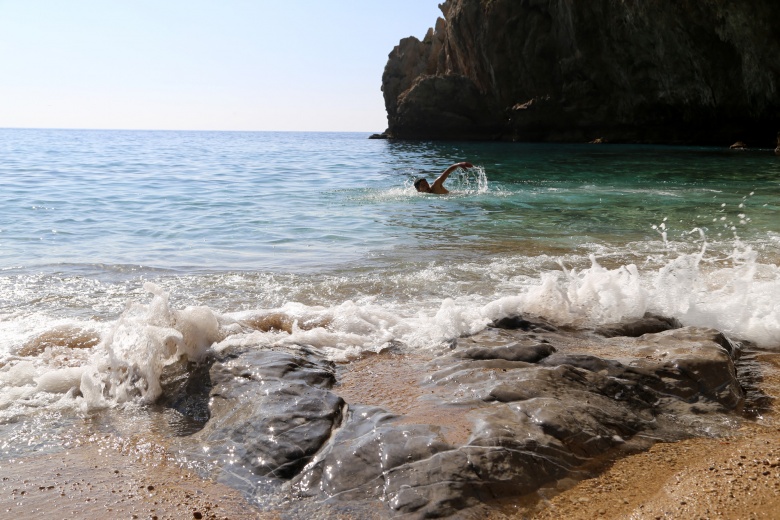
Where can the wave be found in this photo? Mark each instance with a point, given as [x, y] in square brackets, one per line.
[81, 363]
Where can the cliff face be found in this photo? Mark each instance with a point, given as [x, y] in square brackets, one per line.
[663, 71]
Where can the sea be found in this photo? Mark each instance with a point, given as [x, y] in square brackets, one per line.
[123, 251]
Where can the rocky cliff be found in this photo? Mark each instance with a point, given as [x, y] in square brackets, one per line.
[660, 71]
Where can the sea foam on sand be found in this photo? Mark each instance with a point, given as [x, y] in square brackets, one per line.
[736, 295]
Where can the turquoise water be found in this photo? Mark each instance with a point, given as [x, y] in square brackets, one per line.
[108, 238]
[291, 202]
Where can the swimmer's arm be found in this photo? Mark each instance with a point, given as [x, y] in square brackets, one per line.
[438, 184]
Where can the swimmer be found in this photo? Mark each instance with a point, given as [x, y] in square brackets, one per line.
[437, 187]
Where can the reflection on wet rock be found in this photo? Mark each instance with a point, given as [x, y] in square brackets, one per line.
[270, 412]
[542, 404]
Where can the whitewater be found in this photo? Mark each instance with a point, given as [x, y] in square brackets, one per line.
[122, 253]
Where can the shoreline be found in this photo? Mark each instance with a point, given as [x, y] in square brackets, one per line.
[733, 476]
[92, 482]
[736, 476]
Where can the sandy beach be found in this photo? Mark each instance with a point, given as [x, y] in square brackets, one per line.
[91, 482]
[725, 478]
[737, 477]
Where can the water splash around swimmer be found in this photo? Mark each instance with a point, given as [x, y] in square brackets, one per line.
[469, 181]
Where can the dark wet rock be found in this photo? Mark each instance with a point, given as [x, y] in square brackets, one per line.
[186, 389]
[533, 422]
[703, 359]
[415, 472]
[540, 404]
[270, 413]
[649, 324]
[515, 352]
[700, 71]
[355, 463]
[734, 348]
[521, 323]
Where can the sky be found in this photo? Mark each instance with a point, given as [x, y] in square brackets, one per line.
[293, 65]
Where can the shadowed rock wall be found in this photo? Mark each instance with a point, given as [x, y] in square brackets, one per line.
[660, 71]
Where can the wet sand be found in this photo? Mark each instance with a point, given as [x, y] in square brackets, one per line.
[93, 482]
[736, 477]
[390, 381]
[733, 477]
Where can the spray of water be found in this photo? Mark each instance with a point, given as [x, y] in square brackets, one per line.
[470, 181]
[129, 362]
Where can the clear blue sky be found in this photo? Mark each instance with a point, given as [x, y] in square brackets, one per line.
[201, 64]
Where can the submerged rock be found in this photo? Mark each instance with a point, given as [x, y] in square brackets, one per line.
[541, 404]
[661, 72]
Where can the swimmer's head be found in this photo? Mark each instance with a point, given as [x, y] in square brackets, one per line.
[422, 186]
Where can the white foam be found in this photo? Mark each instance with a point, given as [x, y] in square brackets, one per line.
[424, 308]
[59, 381]
[130, 359]
[19, 374]
[740, 300]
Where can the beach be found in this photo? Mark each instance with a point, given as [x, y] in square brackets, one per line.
[223, 324]
[91, 483]
[525, 266]
[736, 476]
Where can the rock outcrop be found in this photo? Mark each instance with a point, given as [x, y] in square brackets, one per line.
[538, 405]
[690, 71]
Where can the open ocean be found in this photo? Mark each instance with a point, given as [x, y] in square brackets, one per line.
[128, 248]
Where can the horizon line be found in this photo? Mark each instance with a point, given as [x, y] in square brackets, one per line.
[185, 130]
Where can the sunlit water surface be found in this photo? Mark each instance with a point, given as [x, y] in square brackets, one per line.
[128, 249]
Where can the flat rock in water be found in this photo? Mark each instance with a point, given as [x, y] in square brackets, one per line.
[513, 352]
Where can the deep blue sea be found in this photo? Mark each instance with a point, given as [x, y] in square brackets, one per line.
[130, 248]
